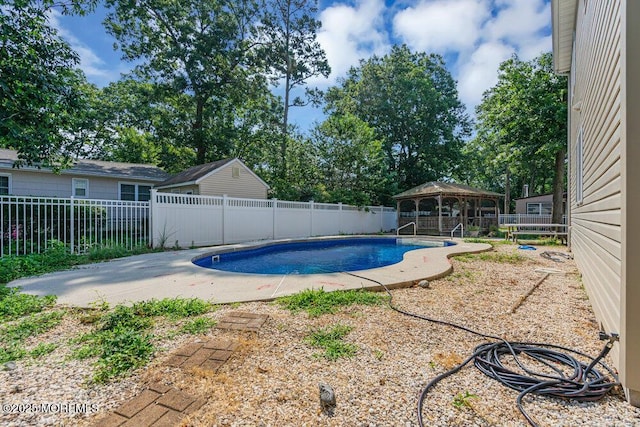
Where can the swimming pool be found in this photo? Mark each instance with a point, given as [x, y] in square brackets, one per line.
[316, 256]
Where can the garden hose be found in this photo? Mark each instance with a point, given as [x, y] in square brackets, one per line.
[584, 383]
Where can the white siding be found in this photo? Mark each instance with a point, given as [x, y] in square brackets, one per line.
[47, 184]
[244, 185]
[599, 105]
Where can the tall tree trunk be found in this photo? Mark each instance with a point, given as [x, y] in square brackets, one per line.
[507, 192]
[558, 188]
[198, 135]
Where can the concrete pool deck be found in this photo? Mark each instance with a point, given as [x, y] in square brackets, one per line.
[171, 274]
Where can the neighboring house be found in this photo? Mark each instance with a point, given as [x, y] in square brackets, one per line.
[228, 176]
[538, 205]
[88, 179]
[597, 43]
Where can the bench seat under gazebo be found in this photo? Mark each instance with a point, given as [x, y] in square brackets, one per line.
[438, 207]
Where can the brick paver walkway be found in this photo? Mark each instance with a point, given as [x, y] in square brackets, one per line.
[157, 406]
[161, 405]
[242, 321]
[210, 355]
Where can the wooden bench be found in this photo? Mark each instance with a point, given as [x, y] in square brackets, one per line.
[559, 231]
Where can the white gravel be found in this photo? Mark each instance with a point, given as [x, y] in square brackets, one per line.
[272, 380]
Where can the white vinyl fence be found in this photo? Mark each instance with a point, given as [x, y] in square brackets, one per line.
[186, 220]
[30, 224]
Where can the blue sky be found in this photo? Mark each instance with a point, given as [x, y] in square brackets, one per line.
[474, 37]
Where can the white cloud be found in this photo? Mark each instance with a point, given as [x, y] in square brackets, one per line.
[479, 72]
[91, 64]
[479, 34]
[518, 21]
[441, 26]
[351, 33]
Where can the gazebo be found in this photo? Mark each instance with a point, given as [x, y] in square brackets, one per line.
[438, 208]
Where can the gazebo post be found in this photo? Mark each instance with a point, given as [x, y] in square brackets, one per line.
[440, 213]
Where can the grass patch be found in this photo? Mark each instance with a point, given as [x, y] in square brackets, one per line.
[14, 304]
[42, 349]
[331, 340]
[198, 326]
[13, 335]
[122, 340]
[464, 399]
[497, 257]
[172, 307]
[58, 257]
[318, 302]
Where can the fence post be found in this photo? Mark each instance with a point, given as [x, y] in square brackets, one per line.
[311, 206]
[72, 224]
[340, 217]
[224, 217]
[274, 216]
[152, 215]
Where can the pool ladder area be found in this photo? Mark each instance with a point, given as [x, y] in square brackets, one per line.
[415, 228]
[461, 227]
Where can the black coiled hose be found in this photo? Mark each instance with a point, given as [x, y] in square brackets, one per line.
[566, 376]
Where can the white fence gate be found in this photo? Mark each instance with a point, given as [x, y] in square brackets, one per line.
[187, 220]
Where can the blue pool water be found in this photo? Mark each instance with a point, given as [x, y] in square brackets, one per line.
[320, 256]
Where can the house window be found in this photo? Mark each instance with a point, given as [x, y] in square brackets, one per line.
[543, 208]
[5, 184]
[579, 169]
[80, 187]
[135, 192]
[235, 172]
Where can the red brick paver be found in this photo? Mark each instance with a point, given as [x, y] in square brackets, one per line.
[157, 406]
[161, 405]
[242, 321]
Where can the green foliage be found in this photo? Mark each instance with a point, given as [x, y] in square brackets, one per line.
[121, 341]
[13, 334]
[521, 131]
[199, 325]
[32, 325]
[172, 307]
[463, 399]
[42, 349]
[57, 257]
[411, 102]
[318, 302]
[11, 353]
[40, 95]
[497, 257]
[351, 162]
[125, 349]
[331, 340]
[14, 304]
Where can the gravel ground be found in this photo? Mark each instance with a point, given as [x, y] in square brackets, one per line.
[272, 380]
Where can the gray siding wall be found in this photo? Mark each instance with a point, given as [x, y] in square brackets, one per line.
[597, 105]
[47, 184]
[222, 181]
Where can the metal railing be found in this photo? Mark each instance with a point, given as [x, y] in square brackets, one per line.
[415, 228]
[461, 230]
[30, 224]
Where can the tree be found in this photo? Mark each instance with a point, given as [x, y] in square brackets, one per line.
[40, 86]
[411, 102]
[522, 128]
[292, 53]
[196, 48]
[351, 162]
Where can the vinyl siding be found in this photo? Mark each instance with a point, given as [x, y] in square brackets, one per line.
[220, 182]
[604, 104]
[596, 235]
[47, 184]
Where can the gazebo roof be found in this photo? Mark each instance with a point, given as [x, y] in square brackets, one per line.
[435, 188]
